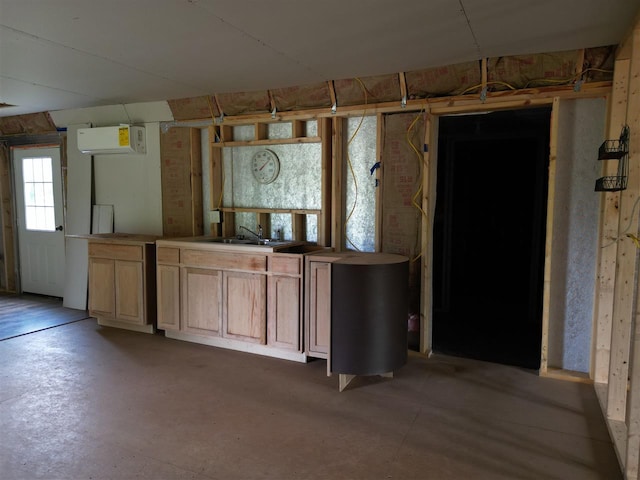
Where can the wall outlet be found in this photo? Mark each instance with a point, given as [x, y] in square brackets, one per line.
[215, 216]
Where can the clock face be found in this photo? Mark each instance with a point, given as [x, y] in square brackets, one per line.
[265, 166]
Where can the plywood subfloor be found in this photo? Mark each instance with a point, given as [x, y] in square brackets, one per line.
[84, 401]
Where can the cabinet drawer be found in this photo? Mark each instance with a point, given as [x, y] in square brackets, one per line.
[168, 255]
[119, 252]
[288, 265]
[225, 261]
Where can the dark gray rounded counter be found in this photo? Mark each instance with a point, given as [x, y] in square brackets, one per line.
[369, 303]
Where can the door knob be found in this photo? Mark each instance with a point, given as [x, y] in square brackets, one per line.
[59, 228]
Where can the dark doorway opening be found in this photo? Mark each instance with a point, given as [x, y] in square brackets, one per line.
[489, 236]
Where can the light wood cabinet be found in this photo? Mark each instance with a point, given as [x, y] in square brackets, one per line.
[239, 299]
[122, 281]
[284, 312]
[285, 302]
[102, 287]
[168, 285]
[318, 306]
[201, 299]
[129, 295]
[245, 304]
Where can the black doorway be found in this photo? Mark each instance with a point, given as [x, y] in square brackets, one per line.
[489, 236]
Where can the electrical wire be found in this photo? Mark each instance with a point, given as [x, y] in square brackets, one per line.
[421, 168]
[218, 140]
[350, 165]
[222, 175]
[536, 80]
[497, 82]
[566, 80]
[624, 232]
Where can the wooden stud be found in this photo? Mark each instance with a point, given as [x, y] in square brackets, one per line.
[546, 296]
[484, 72]
[272, 102]
[270, 210]
[607, 246]
[214, 134]
[264, 220]
[228, 228]
[216, 180]
[260, 131]
[197, 211]
[628, 264]
[379, 186]
[579, 64]
[299, 227]
[298, 129]
[337, 207]
[6, 204]
[332, 93]
[429, 180]
[324, 218]
[627, 261]
[266, 142]
[226, 133]
[632, 456]
[218, 104]
[329, 307]
[507, 99]
[404, 95]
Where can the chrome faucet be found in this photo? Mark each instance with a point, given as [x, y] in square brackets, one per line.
[257, 235]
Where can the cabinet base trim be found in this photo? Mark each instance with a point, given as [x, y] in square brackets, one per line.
[107, 322]
[237, 345]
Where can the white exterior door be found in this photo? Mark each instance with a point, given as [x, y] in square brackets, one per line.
[38, 182]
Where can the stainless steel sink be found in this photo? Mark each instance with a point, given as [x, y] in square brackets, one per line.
[237, 241]
[267, 242]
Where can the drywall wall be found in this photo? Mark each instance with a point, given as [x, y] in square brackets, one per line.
[574, 252]
[131, 183]
[77, 222]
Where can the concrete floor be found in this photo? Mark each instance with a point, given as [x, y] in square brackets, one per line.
[84, 402]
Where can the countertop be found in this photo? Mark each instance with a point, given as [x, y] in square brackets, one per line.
[218, 244]
[118, 237]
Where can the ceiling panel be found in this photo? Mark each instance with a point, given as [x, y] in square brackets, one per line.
[342, 39]
[509, 28]
[76, 53]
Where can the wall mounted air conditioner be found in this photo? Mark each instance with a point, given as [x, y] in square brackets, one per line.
[118, 139]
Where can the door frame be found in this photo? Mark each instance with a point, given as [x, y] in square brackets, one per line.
[430, 165]
[15, 253]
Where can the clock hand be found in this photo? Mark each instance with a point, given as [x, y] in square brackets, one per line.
[263, 165]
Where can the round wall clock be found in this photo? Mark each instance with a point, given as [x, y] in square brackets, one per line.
[265, 166]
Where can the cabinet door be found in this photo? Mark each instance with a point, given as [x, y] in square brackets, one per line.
[101, 288]
[283, 312]
[129, 292]
[245, 306]
[168, 278]
[319, 309]
[201, 300]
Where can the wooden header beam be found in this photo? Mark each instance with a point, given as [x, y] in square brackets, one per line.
[530, 97]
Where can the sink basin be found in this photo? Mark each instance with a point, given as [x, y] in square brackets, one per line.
[237, 241]
[247, 241]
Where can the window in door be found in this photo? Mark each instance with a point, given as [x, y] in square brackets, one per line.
[38, 194]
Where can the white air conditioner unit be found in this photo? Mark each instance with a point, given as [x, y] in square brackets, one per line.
[119, 139]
